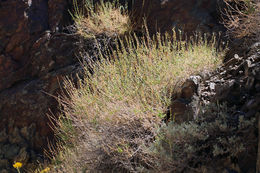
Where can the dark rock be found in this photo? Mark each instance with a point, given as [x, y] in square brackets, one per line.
[252, 104]
[4, 171]
[28, 132]
[3, 163]
[180, 111]
[250, 82]
[3, 136]
[187, 15]
[33, 62]
[15, 137]
[251, 114]
[189, 88]
[11, 151]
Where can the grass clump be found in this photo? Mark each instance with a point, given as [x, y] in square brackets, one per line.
[115, 109]
[101, 18]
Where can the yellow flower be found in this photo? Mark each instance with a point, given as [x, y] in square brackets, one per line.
[17, 165]
[45, 170]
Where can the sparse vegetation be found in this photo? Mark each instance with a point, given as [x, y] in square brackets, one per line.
[204, 142]
[242, 18]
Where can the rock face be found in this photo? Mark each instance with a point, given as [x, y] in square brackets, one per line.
[188, 15]
[34, 57]
[35, 54]
[236, 83]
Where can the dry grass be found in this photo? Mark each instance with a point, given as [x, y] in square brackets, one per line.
[102, 18]
[114, 113]
[242, 18]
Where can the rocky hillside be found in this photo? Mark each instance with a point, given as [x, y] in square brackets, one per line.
[37, 51]
[34, 55]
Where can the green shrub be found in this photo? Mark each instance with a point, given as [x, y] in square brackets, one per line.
[213, 136]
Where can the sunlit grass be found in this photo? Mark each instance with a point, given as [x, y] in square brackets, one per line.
[102, 18]
[140, 75]
[129, 88]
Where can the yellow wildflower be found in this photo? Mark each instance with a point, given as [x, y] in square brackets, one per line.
[45, 170]
[17, 165]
